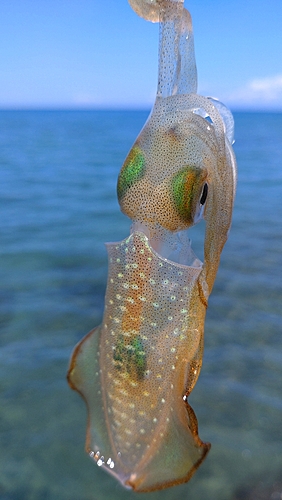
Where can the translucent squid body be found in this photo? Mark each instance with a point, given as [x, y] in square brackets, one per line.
[136, 370]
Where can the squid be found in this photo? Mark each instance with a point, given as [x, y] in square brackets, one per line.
[136, 370]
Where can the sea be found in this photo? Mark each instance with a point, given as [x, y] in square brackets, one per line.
[58, 173]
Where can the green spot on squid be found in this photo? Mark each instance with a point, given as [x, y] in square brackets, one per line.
[186, 186]
[129, 356]
[131, 172]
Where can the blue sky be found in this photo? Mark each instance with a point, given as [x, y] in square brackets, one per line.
[100, 54]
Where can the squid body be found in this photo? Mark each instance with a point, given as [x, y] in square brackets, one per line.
[136, 370]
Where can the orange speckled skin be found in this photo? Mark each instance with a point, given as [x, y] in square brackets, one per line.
[136, 370]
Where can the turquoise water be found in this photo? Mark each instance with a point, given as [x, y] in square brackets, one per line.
[58, 175]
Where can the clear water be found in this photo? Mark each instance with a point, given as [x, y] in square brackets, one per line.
[58, 203]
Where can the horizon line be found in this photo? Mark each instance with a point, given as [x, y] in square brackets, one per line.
[125, 108]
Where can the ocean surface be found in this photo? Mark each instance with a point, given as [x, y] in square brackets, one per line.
[58, 172]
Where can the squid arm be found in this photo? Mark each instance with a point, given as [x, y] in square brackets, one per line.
[136, 370]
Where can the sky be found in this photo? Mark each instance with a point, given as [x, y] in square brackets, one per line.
[89, 54]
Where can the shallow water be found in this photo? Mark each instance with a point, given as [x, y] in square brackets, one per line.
[58, 205]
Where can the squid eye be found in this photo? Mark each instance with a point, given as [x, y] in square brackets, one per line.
[204, 194]
[132, 171]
